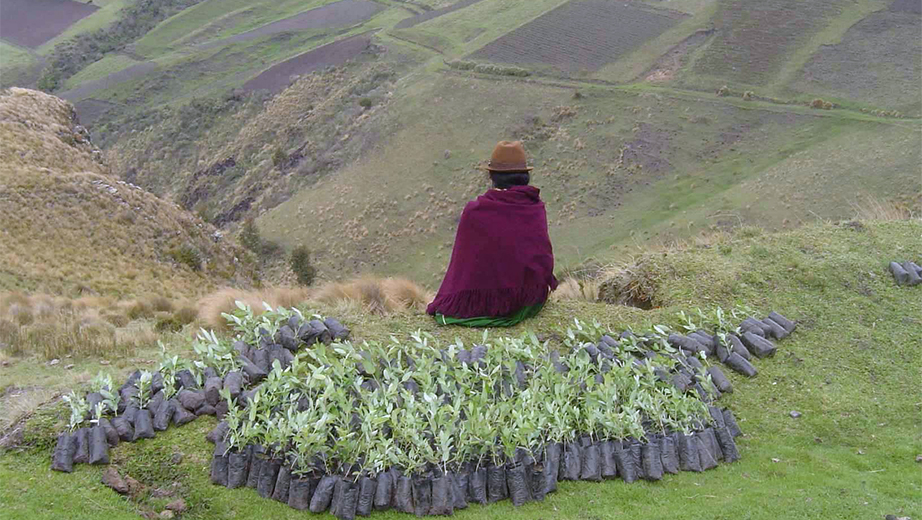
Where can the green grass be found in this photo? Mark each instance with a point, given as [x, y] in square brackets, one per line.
[110, 64]
[847, 369]
[212, 17]
[15, 63]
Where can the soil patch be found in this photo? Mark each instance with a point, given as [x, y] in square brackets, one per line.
[338, 14]
[886, 44]
[583, 35]
[907, 6]
[429, 15]
[278, 77]
[31, 23]
[668, 64]
[755, 38]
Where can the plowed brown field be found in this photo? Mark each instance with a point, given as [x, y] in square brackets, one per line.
[583, 35]
[31, 23]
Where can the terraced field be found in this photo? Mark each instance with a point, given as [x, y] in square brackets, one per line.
[582, 35]
[754, 39]
[435, 13]
[31, 23]
[276, 78]
[886, 44]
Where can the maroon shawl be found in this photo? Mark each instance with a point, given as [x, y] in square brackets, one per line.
[502, 259]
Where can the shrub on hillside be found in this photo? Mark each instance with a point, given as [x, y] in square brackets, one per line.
[187, 255]
[251, 239]
[300, 262]
[365, 102]
[279, 157]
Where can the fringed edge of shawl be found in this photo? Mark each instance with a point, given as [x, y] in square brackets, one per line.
[475, 303]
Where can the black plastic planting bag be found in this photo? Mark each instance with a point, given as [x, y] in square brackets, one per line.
[517, 483]
[384, 493]
[669, 454]
[422, 495]
[590, 463]
[754, 326]
[552, 454]
[624, 461]
[459, 483]
[715, 446]
[206, 409]
[143, 427]
[320, 332]
[123, 427]
[788, 325]
[773, 329]
[218, 433]
[609, 466]
[720, 380]
[537, 481]
[730, 421]
[727, 445]
[299, 493]
[162, 415]
[337, 330]
[191, 399]
[213, 386]
[237, 467]
[689, 460]
[181, 416]
[740, 365]
[759, 346]
[323, 495]
[717, 415]
[637, 456]
[442, 500]
[256, 468]
[478, 486]
[347, 504]
[366, 501]
[155, 401]
[268, 475]
[651, 460]
[282, 483]
[722, 351]
[253, 372]
[706, 455]
[233, 382]
[112, 437]
[186, 379]
[496, 483]
[219, 465]
[736, 346]
[570, 462]
[63, 457]
[130, 412]
[403, 495]
[99, 446]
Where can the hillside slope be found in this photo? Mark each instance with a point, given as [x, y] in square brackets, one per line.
[846, 369]
[68, 226]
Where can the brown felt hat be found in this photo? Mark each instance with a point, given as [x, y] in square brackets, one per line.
[508, 156]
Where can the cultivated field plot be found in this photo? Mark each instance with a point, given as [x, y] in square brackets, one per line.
[338, 14]
[754, 39]
[89, 87]
[425, 17]
[278, 77]
[876, 62]
[31, 23]
[583, 35]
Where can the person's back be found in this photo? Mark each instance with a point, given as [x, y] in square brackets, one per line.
[502, 264]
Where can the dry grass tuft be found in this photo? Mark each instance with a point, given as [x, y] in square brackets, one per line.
[575, 289]
[377, 295]
[877, 209]
[222, 301]
[55, 326]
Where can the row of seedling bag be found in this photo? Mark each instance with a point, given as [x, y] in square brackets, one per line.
[182, 390]
[906, 273]
[412, 427]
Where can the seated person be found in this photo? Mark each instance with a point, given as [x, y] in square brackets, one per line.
[502, 264]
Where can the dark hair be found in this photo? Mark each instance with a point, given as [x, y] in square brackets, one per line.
[506, 180]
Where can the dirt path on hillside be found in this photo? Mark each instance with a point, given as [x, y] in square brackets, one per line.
[338, 14]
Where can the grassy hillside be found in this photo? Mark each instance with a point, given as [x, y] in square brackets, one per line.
[618, 168]
[845, 369]
[71, 227]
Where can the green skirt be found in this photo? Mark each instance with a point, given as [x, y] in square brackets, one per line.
[487, 321]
